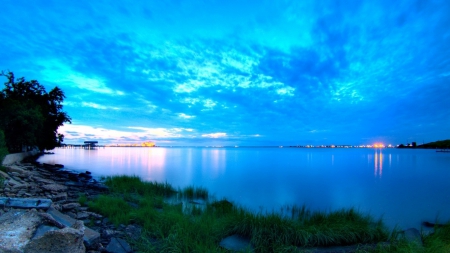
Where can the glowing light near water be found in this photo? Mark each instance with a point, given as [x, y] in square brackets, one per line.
[378, 145]
[378, 163]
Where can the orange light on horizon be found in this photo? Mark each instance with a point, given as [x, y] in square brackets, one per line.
[378, 145]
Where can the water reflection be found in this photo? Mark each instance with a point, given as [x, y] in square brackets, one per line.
[322, 179]
[378, 163]
[213, 162]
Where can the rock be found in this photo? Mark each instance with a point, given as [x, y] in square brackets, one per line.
[82, 215]
[69, 239]
[108, 233]
[43, 180]
[70, 206]
[25, 203]
[60, 196]
[95, 215]
[118, 245]
[47, 218]
[20, 186]
[15, 174]
[17, 228]
[431, 225]
[51, 167]
[4, 175]
[413, 235]
[91, 237]
[54, 187]
[42, 229]
[36, 183]
[133, 231]
[13, 182]
[16, 170]
[236, 243]
[84, 176]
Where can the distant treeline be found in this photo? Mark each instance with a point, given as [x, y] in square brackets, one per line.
[444, 144]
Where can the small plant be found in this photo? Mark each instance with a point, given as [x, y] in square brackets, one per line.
[222, 207]
[82, 199]
[188, 192]
[191, 192]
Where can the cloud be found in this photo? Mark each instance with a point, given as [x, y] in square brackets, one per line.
[215, 135]
[83, 132]
[185, 116]
[279, 69]
[98, 106]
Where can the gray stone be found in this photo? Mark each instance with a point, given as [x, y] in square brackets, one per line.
[4, 175]
[43, 180]
[133, 231]
[54, 187]
[25, 203]
[17, 228]
[17, 171]
[413, 235]
[108, 233]
[13, 182]
[69, 239]
[42, 229]
[70, 206]
[118, 245]
[60, 196]
[82, 215]
[16, 157]
[95, 215]
[91, 237]
[236, 243]
[20, 186]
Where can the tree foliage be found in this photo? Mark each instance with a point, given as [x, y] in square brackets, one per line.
[3, 149]
[29, 115]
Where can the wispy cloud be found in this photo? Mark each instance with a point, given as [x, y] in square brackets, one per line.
[215, 135]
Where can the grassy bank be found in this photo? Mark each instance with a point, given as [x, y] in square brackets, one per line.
[188, 220]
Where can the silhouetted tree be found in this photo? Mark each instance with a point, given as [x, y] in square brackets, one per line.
[3, 149]
[31, 116]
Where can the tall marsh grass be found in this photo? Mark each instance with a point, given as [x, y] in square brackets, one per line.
[170, 228]
[192, 192]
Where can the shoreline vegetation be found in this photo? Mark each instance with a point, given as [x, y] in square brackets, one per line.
[190, 220]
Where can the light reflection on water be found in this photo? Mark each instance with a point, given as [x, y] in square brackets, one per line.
[406, 187]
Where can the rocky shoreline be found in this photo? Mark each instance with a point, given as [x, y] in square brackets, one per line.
[29, 180]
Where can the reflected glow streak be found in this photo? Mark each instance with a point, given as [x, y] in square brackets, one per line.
[378, 164]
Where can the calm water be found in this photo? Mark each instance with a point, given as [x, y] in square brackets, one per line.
[405, 187]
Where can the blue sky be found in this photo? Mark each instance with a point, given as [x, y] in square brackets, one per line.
[238, 72]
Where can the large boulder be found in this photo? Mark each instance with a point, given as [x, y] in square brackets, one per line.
[17, 229]
[68, 239]
[38, 232]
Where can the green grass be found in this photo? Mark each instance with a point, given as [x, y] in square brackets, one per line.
[439, 241]
[82, 199]
[133, 184]
[199, 228]
[191, 192]
[187, 226]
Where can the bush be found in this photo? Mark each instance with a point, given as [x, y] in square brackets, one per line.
[3, 149]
